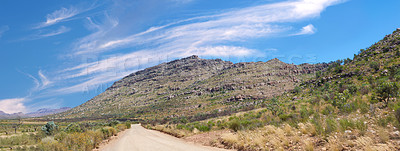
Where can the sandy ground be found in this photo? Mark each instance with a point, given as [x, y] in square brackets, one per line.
[140, 139]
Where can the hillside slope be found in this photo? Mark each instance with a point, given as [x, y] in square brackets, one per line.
[193, 88]
[352, 105]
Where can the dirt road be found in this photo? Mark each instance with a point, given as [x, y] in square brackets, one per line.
[140, 139]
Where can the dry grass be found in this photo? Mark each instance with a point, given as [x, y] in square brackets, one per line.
[308, 145]
[307, 129]
[171, 130]
[334, 144]
[230, 139]
[288, 130]
[383, 135]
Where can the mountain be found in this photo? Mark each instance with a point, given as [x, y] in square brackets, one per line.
[353, 104]
[193, 88]
[38, 113]
[46, 111]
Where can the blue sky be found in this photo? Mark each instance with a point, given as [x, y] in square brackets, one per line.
[62, 53]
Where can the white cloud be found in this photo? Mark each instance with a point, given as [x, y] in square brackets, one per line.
[39, 85]
[238, 25]
[205, 35]
[13, 105]
[59, 16]
[307, 30]
[59, 31]
[45, 81]
[3, 29]
[221, 51]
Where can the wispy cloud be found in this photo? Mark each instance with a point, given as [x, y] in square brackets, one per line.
[59, 16]
[59, 31]
[213, 35]
[68, 13]
[3, 29]
[40, 84]
[45, 81]
[307, 30]
[13, 105]
[238, 25]
[44, 33]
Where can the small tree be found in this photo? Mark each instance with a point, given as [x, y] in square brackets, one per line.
[374, 65]
[387, 90]
[49, 128]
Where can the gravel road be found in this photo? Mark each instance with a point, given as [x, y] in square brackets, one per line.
[138, 138]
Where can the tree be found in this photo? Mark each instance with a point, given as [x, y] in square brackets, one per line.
[387, 90]
[49, 128]
[17, 125]
[347, 61]
[374, 65]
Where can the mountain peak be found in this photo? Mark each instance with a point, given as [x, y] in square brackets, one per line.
[275, 60]
[191, 57]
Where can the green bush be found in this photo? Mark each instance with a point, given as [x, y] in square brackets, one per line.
[387, 90]
[128, 125]
[361, 126]
[329, 109]
[374, 65]
[203, 128]
[346, 124]
[234, 125]
[364, 108]
[383, 122]
[50, 128]
[108, 132]
[331, 125]
[73, 127]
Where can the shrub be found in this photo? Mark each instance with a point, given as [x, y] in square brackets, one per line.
[203, 128]
[329, 109]
[73, 127]
[364, 108]
[331, 125]
[352, 88]
[346, 124]
[387, 90]
[339, 69]
[56, 146]
[49, 128]
[108, 132]
[128, 125]
[234, 125]
[297, 90]
[121, 127]
[383, 122]
[383, 135]
[361, 126]
[374, 65]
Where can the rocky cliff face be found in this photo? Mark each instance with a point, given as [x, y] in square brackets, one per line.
[192, 87]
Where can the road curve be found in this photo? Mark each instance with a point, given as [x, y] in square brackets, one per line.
[138, 138]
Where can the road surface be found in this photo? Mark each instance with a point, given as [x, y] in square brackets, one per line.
[138, 138]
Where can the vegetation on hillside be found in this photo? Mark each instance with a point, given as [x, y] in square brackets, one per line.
[193, 89]
[353, 104]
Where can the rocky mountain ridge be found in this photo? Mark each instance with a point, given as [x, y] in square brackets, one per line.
[38, 113]
[195, 88]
